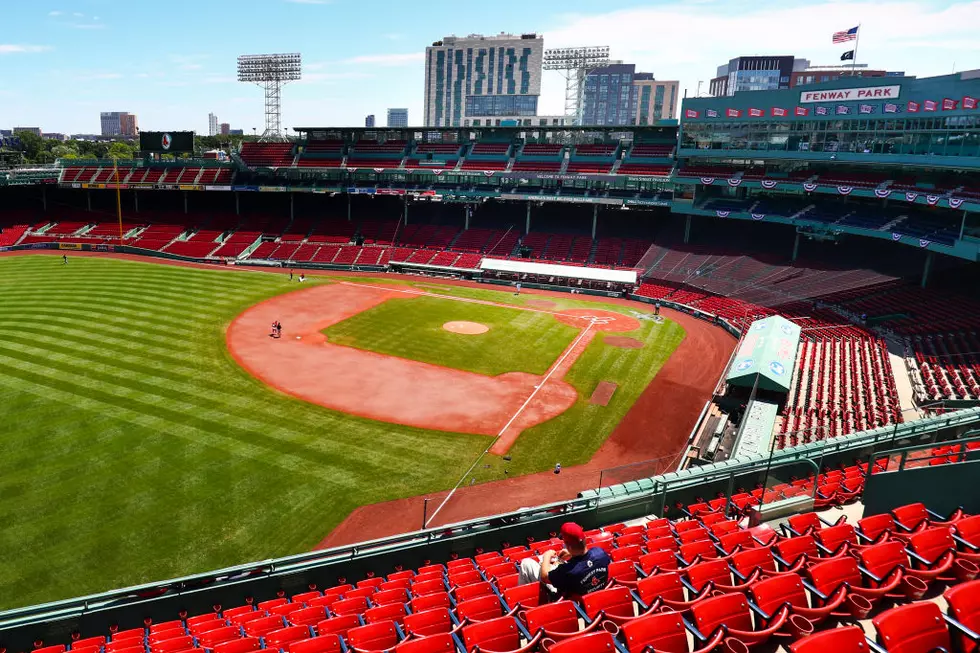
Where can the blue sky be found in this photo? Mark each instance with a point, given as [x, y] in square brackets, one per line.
[173, 62]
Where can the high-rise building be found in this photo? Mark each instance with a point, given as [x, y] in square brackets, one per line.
[398, 117]
[225, 128]
[212, 125]
[756, 74]
[656, 100]
[236, 132]
[369, 120]
[819, 74]
[33, 130]
[618, 95]
[119, 123]
[488, 76]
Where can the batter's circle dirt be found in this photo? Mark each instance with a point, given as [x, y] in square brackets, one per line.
[465, 328]
[623, 341]
[604, 320]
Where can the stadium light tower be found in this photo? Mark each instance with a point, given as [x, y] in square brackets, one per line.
[271, 72]
[574, 64]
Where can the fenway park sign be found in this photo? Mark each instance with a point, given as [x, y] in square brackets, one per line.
[851, 94]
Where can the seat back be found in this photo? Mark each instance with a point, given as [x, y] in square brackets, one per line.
[828, 575]
[932, 543]
[912, 628]
[772, 593]
[558, 617]
[425, 587]
[212, 638]
[615, 600]
[373, 637]
[279, 638]
[480, 608]
[712, 571]
[882, 559]
[429, 601]
[259, 627]
[844, 639]
[308, 616]
[600, 642]
[466, 592]
[663, 542]
[631, 552]
[438, 643]
[731, 610]
[666, 586]
[792, 548]
[465, 577]
[390, 612]
[663, 559]
[743, 539]
[750, 559]
[911, 515]
[968, 528]
[528, 596]
[322, 644]
[243, 645]
[499, 634]
[964, 606]
[356, 605]
[622, 570]
[801, 523]
[338, 625]
[702, 548]
[875, 525]
[429, 622]
[834, 536]
[662, 632]
[384, 597]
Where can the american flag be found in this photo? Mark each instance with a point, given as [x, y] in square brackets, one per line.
[844, 37]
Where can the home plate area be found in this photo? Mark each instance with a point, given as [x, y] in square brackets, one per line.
[403, 391]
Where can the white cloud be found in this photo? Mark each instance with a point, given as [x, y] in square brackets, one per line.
[88, 25]
[14, 48]
[679, 41]
[309, 2]
[55, 13]
[406, 59]
[77, 14]
[98, 76]
[393, 36]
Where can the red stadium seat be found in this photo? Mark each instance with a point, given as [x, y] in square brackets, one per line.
[600, 642]
[557, 621]
[497, 636]
[844, 639]
[307, 616]
[322, 644]
[614, 604]
[437, 643]
[243, 645]
[525, 596]
[390, 612]
[381, 636]
[212, 638]
[430, 601]
[429, 622]
[732, 611]
[667, 589]
[481, 608]
[964, 606]
[912, 628]
[338, 625]
[665, 632]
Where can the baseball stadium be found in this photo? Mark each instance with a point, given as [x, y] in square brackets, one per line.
[331, 394]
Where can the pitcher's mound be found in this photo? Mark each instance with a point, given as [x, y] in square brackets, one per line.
[466, 328]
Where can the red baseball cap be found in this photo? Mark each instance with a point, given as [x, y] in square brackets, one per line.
[570, 531]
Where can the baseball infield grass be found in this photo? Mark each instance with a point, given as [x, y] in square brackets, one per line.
[134, 449]
[518, 341]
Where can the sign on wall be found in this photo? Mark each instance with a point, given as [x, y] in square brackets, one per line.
[851, 94]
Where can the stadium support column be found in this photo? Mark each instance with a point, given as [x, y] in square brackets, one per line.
[527, 220]
[238, 210]
[292, 207]
[348, 207]
[927, 268]
[962, 225]
[467, 212]
[796, 246]
[136, 202]
[44, 201]
[687, 230]
[88, 200]
[405, 205]
[595, 218]
[185, 203]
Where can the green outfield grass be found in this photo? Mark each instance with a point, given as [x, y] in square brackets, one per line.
[518, 341]
[134, 449]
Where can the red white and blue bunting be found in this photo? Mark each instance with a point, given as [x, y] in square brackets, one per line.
[882, 193]
[932, 200]
[809, 187]
[955, 202]
[758, 216]
[734, 182]
[723, 214]
[768, 184]
[707, 181]
[845, 190]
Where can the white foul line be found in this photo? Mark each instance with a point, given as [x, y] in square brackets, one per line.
[537, 388]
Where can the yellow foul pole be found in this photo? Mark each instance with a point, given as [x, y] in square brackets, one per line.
[115, 167]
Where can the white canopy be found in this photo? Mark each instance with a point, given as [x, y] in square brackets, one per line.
[553, 270]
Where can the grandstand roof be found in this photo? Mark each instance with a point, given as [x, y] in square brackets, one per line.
[766, 355]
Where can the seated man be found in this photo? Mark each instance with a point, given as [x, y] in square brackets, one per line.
[571, 573]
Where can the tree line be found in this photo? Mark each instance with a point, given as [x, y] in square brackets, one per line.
[27, 148]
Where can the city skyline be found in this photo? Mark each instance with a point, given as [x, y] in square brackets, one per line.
[65, 62]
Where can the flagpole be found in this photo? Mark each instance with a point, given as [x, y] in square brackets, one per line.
[854, 61]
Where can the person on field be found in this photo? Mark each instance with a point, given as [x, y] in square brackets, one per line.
[290, 275]
[64, 257]
[302, 277]
[656, 308]
[518, 287]
[278, 329]
[572, 572]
